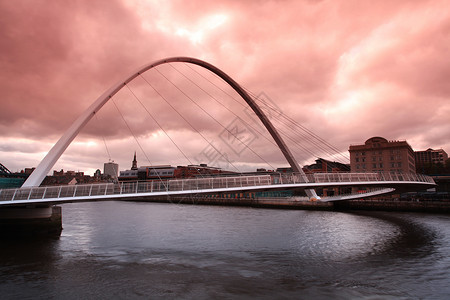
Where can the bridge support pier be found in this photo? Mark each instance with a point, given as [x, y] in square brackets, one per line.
[30, 222]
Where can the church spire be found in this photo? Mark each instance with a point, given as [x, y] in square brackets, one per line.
[134, 165]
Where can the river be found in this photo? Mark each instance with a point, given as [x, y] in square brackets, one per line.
[128, 250]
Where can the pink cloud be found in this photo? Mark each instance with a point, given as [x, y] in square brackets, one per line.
[347, 70]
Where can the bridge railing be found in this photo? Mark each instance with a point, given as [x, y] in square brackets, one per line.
[209, 183]
[353, 177]
[88, 190]
[194, 184]
[58, 192]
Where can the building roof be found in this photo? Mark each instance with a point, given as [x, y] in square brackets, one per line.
[379, 142]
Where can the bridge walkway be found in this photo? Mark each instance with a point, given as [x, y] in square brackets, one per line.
[210, 185]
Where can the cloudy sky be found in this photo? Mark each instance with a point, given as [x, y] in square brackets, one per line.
[347, 70]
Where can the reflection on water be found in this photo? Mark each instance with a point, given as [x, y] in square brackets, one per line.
[147, 250]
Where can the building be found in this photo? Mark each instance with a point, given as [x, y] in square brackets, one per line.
[426, 159]
[320, 166]
[68, 173]
[128, 175]
[146, 172]
[98, 173]
[9, 179]
[197, 171]
[67, 178]
[168, 172]
[380, 155]
[284, 170]
[134, 163]
[27, 171]
[156, 172]
[111, 169]
[326, 166]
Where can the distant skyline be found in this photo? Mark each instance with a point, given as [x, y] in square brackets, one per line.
[347, 70]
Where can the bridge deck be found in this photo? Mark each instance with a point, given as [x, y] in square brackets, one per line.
[211, 185]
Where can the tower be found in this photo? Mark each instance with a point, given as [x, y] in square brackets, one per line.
[111, 168]
[134, 164]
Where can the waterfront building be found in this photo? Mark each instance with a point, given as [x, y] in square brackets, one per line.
[156, 172]
[320, 166]
[128, 175]
[197, 170]
[9, 179]
[427, 158]
[67, 178]
[68, 173]
[28, 171]
[326, 166]
[148, 173]
[111, 169]
[284, 170]
[323, 166]
[168, 172]
[380, 155]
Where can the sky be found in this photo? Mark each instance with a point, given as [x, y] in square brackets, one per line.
[346, 70]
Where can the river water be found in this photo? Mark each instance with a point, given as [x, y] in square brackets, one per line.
[127, 250]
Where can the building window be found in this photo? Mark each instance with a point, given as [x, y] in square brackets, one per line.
[374, 166]
[374, 158]
[381, 165]
[399, 164]
[357, 159]
[392, 157]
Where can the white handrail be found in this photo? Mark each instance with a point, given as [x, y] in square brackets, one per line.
[212, 183]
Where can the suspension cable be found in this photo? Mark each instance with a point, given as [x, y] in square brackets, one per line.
[161, 127]
[137, 141]
[104, 140]
[303, 128]
[310, 137]
[212, 117]
[190, 124]
[232, 112]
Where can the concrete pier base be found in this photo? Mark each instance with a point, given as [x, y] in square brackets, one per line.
[29, 222]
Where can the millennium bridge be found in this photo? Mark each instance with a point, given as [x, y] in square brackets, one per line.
[379, 183]
[32, 194]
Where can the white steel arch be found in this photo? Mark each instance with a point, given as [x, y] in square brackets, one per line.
[38, 175]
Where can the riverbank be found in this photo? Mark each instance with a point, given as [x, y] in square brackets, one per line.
[427, 206]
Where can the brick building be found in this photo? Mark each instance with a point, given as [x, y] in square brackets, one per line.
[380, 155]
[430, 157]
[326, 166]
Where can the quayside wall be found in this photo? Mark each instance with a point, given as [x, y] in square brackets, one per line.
[427, 206]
